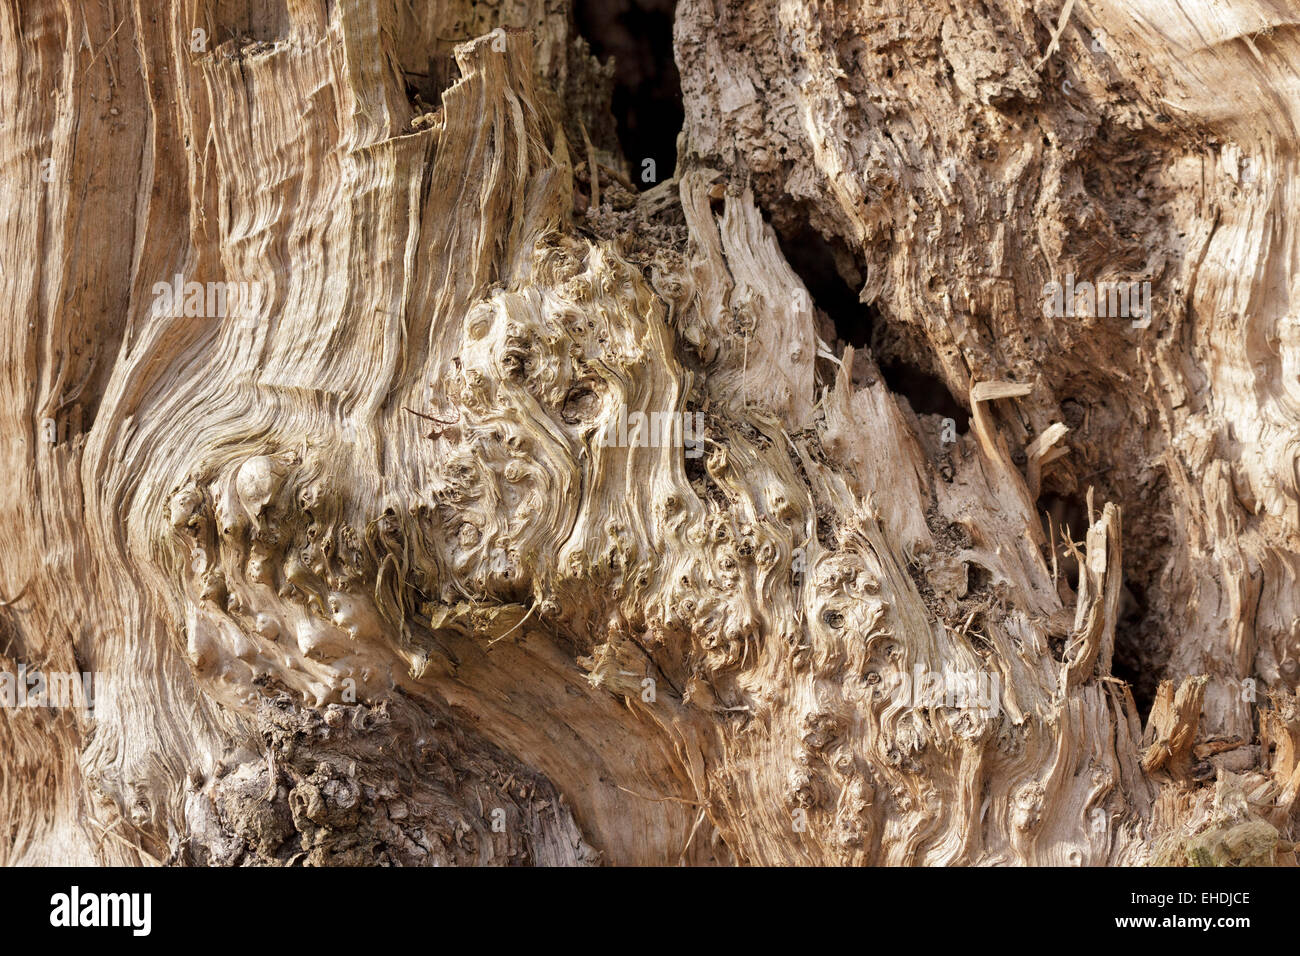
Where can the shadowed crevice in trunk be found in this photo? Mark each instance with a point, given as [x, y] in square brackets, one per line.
[647, 101]
[813, 259]
[926, 393]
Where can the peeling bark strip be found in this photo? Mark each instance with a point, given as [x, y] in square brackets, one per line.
[496, 513]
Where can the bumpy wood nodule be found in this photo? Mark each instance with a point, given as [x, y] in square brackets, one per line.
[413, 489]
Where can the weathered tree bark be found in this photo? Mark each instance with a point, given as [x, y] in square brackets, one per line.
[372, 564]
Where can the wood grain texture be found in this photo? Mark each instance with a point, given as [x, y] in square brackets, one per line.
[329, 332]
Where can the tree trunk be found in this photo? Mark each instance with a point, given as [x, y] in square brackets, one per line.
[912, 477]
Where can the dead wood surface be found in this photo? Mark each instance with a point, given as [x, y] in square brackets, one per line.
[360, 581]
